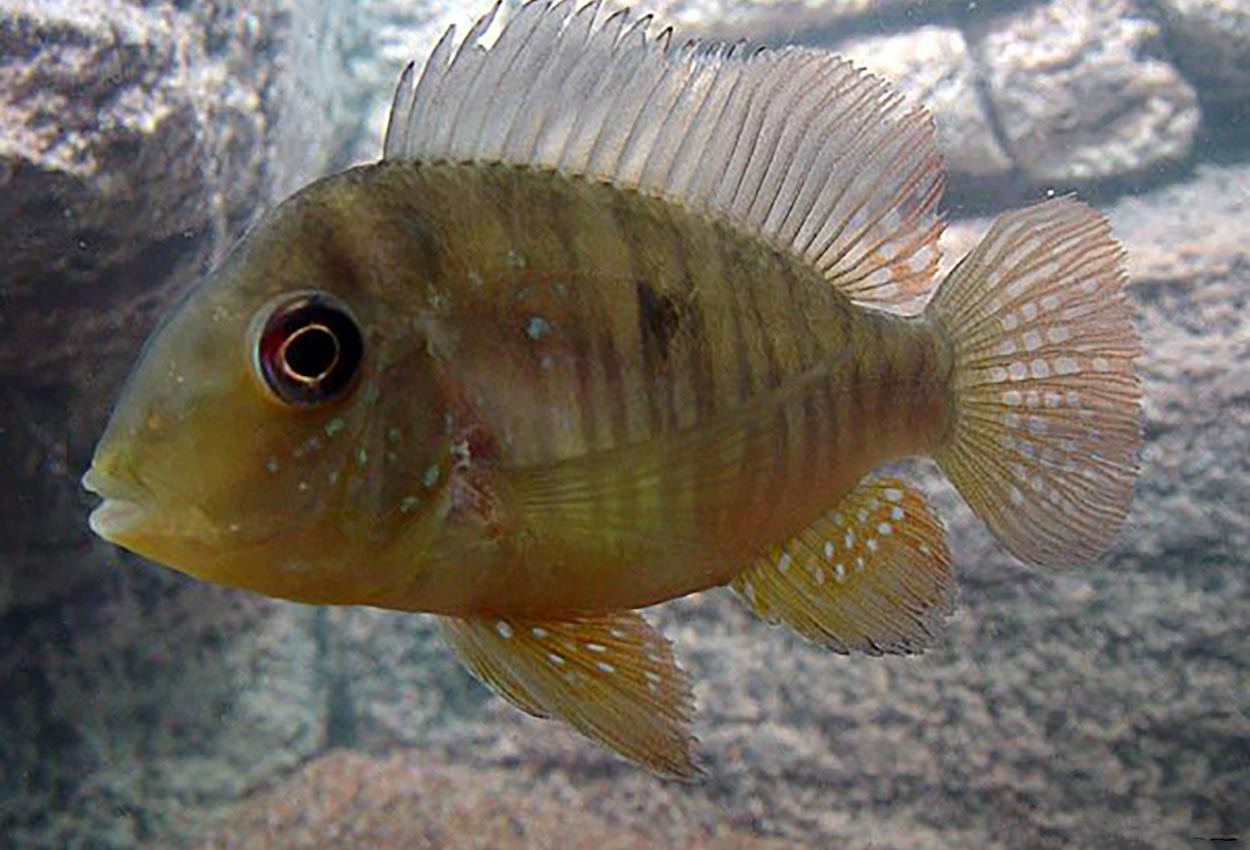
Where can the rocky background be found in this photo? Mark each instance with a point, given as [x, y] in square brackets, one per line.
[1108, 707]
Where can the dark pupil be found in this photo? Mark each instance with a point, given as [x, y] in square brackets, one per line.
[311, 352]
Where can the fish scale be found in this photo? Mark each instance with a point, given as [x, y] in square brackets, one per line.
[764, 322]
[754, 331]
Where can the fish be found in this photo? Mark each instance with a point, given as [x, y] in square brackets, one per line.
[616, 319]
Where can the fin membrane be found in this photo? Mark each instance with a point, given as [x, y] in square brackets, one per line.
[1047, 422]
[612, 677]
[873, 576]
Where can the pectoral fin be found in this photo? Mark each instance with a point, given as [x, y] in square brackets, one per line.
[664, 491]
[612, 677]
[872, 576]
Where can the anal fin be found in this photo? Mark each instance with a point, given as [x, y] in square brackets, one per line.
[611, 676]
[872, 576]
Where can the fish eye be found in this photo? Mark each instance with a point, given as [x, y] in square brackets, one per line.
[309, 349]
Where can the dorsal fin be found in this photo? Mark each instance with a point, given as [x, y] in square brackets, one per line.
[794, 146]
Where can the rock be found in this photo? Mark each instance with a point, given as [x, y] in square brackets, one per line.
[142, 702]
[419, 801]
[763, 20]
[392, 680]
[1211, 43]
[135, 144]
[931, 66]
[126, 132]
[1076, 93]
[149, 704]
[138, 140]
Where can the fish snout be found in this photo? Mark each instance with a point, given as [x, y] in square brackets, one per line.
[125, 505]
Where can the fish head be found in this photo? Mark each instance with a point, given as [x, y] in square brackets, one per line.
[280, 424]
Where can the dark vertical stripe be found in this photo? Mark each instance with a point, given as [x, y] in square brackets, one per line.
[580, 319]
[583, 367]
[918, 376]
[631, 226]
[614, 373]
[854, 401]
[653, 343]
[831, 438]
[883, 355]
[699, 357]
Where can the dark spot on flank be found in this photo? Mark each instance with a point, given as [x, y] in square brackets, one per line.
[659, 319]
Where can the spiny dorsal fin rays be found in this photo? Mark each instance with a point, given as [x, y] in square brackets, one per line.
[611, 676]
[872, 576]
[794, 146]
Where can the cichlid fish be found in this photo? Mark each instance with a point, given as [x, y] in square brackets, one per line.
[614, 320]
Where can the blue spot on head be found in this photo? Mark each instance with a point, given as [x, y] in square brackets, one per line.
[537, 327]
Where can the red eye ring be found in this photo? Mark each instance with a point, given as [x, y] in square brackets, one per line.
[309, 350]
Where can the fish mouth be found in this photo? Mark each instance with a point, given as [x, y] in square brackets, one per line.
[122, 510]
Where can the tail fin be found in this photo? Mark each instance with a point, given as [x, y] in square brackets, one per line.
[1046, 429]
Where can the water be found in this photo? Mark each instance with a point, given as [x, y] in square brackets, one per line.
[1104, 706]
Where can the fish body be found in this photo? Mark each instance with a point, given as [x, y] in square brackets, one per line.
[590, 333]
[609, 324]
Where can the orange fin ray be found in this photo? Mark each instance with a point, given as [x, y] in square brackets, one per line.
[872, 576]
[611, 676]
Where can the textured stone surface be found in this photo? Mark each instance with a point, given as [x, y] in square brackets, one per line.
[137, 706]
[931, 65]
[1211, 41]
[1078, 94]
[123, 130]
[1064, 92]
[773, 19]
[421, 802]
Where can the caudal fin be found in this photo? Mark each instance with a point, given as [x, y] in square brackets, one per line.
[1046, 430]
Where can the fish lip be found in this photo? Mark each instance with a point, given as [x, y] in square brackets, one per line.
[109, 486]
[122, 510]
[116, 517]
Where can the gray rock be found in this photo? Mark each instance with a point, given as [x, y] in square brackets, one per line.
[124, 130]
[138, 706]
[931, 65]
[135, 143]
[1211, 42]
[1077, 94]
[775, 19]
